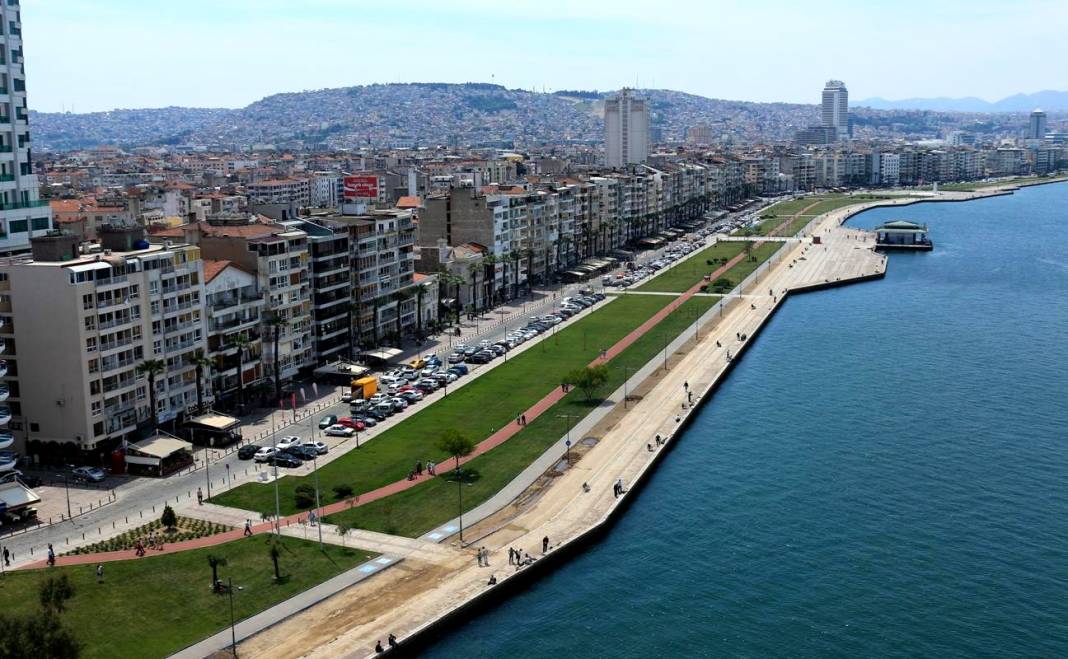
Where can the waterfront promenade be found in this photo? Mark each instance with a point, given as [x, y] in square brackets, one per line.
[556, 505]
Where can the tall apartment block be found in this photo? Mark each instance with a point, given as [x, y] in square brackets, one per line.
[626, 126]
[22, 213]
[834, 110]
[1036, 127]
[76, 327]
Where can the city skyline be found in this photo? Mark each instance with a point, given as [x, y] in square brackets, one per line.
[629, 47]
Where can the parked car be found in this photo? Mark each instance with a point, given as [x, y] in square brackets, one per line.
[346, 398]
[287, 441]
[378, 398]
[327, 421]
[367, 420]
[295, 451]
[28, 480]
[339, 431]
[456, 358]
[385, 409]
[265, 454]
[398, 403]
[88, 474]
[351, 422]
[319, 447]
[413, 396]
[433, 360]
[247, 452]
[459, 369]
[285, 460]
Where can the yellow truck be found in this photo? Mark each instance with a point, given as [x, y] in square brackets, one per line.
[364, 387]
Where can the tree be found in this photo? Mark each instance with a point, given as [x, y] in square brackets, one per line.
[304, 496]
[275, 554]
[37, 635]
[168, 519]
[529, 255]
[589, 379]
[513, 263]
[277, 323]
[343, 530]
[457, 445]
[473, 270]
[215, 561]
[420, 293]
[152, 368]
[54, 593]
[201, 361]
[489, 266]
[401, 297]
[242, 342]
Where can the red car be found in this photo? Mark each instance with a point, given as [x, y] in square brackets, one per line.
[350, 422]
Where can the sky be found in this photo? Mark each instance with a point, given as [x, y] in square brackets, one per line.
[95, 55]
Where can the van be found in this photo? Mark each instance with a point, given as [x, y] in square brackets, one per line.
[385, 409]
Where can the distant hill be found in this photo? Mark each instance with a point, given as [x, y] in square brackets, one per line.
[1048, 100]
[432, 114]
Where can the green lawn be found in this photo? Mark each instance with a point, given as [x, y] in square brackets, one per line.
[978, 185]
[680, 277]
[775, 215]
[155, 606]
[478, 409]
[420, 509]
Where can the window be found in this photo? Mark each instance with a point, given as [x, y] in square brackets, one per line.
[18, 226]
[90, 344]
[94, 387]
[90, 323]
[98, 428]
[87, 301]
[39, 223]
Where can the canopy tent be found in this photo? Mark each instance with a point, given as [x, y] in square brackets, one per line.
[14, 496]
[160, 451]
[215, 421]
[383, 354]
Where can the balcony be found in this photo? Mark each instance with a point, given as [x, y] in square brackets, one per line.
[13, 205]
[119, 384]
[6, 178]
[106, 365]
[112, 345]
[227, 303]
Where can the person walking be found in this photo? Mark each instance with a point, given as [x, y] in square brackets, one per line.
[7, 557]
[51, 555]
[200, 497]
[100, 573]
[248, 527]
[524, 419]
[545, 545]
[511, 557]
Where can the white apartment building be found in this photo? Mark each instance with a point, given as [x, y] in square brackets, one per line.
[73, 378]
[22, 213]
[233, 308]
[626, 126]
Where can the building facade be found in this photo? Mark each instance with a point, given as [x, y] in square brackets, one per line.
[626, 125]
[834, 109]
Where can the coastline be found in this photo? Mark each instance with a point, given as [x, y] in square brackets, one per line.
[421, 635]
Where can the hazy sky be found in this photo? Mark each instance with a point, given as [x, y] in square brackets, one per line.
[103, 54]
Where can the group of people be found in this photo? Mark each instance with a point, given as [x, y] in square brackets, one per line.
[483, 557]
[617, 488]
[519, 558]
[392, 640]
[154, 542]
[431, 469]
[521, 420]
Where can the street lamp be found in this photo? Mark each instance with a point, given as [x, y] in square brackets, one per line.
[567, 442]
[66, 487]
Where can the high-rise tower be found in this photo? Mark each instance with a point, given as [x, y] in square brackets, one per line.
[626, 125]
[1036, 129]
[22, 214]
[835, 111]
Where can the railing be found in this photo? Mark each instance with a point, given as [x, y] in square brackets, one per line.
[128, 382]
[20, 204]
[7, 177]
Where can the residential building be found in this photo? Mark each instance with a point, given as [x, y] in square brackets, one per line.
[233, 308]
[626, 125]
[22, 213]
[75, 379]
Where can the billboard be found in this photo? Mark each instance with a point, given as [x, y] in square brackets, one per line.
[360, 187]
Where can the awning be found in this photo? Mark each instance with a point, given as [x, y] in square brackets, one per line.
[385, 354]
[15, 495]
[341, 368]
[158, 448]
[86, 267]
[219, 422]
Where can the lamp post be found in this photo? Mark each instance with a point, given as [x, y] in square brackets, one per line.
[460, 494]
[233, 625]
[567, 442]
[66, 486]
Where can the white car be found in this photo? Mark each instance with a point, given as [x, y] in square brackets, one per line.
[265, 454]
[339, 431]
[287, 441]
[316, 446]
[379, 398]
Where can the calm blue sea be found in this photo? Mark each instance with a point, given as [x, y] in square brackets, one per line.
[885, 474]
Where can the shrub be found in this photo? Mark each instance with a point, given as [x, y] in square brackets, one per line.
[304, 496]
[342, 491]
[168, 518]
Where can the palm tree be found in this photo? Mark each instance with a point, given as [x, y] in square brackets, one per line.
[489, 266]
[277, 323]
[353, 310]
[152, 368]
[473, 271]
[513, 259]
[242, 342]
[457, 445]
[201, 361]
[401, 296]
[374, 319]
[420, 293]
[529, 255]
